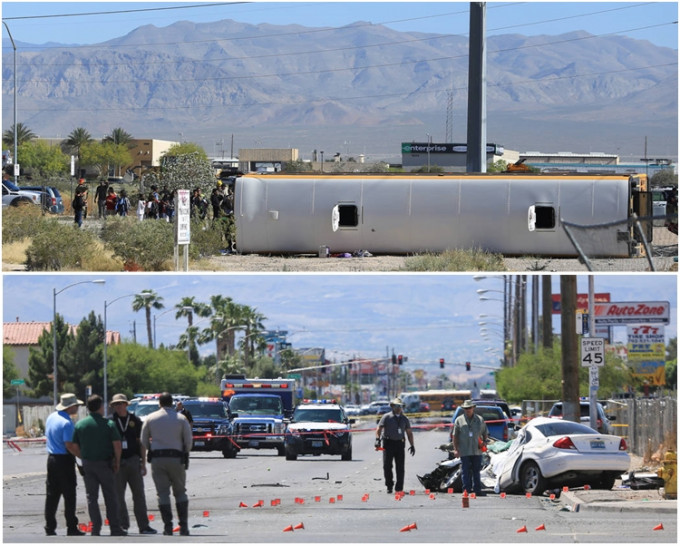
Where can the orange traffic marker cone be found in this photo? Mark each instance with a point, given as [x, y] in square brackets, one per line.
[258, 504]
[450, 490]
[503, 495]
[528, 495]
[473, 496]
[586, 487]
[414, 526]
[522, 529]
[432, 496]
[427, 491]
[206, 513]
[405, 529]
[658, 527]
[331, 500]
[541, 527]
[151, 517]
[176, 529]
[552, 496]
[412, 492]
[339, 497]
[317, 499]
[106, 522]
[299, 526]
[242, 505]
[465, 494]
[288, 529]
[565, 489]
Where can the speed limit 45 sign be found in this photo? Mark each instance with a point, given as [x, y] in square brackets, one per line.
[592, 351]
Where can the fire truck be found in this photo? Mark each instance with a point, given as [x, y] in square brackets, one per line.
[260, 409]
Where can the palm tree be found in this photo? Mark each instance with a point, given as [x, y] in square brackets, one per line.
[24, 134]
[188, 307]
[253, 328]
[75, 141]
[224, 322]
[118, 136]
[146, 300]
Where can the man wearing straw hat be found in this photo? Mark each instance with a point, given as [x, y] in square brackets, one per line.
[469, 434]
[392, 429]
[61, 466]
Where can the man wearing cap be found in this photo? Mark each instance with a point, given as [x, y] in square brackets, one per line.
[167, 437]
[469, 434]
[98, 444]
[61, 466]
[392, 428]
[132, 465]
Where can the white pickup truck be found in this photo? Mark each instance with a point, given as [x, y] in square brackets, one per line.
[14, 196]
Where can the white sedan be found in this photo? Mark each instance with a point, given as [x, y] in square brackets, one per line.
[551, 453]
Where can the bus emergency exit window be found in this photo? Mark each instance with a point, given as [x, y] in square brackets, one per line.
[349, 216]
[545, 217]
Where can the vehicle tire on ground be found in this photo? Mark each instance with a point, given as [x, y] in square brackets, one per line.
[347, 455]
[606, 481]
[229, 453]
[21, 202]
[531, 478]
[281, 451]
[291, 455]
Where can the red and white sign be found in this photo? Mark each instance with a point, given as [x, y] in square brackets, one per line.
[581, 301]
[633, 312]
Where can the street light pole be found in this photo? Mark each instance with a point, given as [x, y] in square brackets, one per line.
[14, 158]
[56, 292]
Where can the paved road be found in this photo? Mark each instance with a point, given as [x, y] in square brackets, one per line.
[343, 502]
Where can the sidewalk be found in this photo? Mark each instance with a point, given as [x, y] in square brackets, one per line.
[619, 499]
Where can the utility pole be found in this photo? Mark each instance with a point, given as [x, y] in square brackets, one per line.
[476, 118]
[570, 362]
[547, 312]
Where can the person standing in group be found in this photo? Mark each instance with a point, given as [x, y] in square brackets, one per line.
[392, 430]
[78, 206]
[469, 435]
[100, 197]
[61, 466]
[132, 465]
[82, 190]
[111, 200]
[166, 435]
[97, 443]
[179, 407]
[141, 207]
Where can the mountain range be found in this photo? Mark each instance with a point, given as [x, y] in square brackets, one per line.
[361, 88]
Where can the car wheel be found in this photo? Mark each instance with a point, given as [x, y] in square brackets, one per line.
[291, 455]
[347, 455]
[606, 481]
[532, 479]
[229, 453]
[21, 202]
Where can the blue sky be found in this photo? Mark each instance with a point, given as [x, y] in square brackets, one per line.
[425, 317]
[99, 22]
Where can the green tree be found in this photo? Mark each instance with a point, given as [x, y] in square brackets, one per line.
[253, 327]
[42, 158]
[184, 166]
[133, 368]
[147, 300]
[672, 364]
[119, 136]
[40, 360]
[86, 355]
[104, 155]
[9, 372]
[225, 320]
[24, 134]
[188, 307]
[74, 142]
[663, 178]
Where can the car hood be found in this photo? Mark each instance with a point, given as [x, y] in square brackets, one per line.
[312, 425]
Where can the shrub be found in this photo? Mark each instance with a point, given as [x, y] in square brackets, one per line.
[146, 245]
[20, 223]
[210, 239]
[57, 247]
[456, 260]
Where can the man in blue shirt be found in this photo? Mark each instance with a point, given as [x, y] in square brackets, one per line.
[61, 466]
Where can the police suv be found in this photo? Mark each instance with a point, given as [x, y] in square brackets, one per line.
[212, 430]
[319, 427]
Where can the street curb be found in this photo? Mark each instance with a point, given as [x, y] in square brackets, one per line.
[661, 507]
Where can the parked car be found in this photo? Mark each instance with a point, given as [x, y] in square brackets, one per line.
[211, 428]
[52, 200]
[604, 425]
[352, 409]
[14, 196]
[496, 402]
[378, 407]
[551, 453]
[319, 427]
[496, 421]
[424, 407]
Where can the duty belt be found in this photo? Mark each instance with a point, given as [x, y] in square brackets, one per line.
[166, 453]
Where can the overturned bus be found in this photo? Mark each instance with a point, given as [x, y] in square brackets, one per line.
[511, 214]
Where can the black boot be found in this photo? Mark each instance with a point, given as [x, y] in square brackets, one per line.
[183, 517]
[166, 515]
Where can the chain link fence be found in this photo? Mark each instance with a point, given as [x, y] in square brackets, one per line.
[655, 237]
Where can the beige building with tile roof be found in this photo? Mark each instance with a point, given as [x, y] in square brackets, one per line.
[21, 336]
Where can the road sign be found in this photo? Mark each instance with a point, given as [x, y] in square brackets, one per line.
[592, 351]
[594, 376]
[17, 382]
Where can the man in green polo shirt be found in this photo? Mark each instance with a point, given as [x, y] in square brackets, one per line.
[97, 443]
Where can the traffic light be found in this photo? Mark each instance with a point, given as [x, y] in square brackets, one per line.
[441, 362]
[400, 359]
[467, 366]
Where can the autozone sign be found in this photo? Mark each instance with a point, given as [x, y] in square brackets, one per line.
[634, 312]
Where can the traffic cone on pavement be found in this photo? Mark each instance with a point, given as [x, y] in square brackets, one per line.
[522, 529]
[288, 529]
[299, 526]
[658, 527]
[242, 505]
[541, 527]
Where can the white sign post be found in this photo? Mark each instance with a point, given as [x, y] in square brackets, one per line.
[182, 227]
[592, 355]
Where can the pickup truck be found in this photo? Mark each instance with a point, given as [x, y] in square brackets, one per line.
[14, 196]
[258, 421]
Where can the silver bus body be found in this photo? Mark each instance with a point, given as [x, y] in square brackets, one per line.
[406, 214]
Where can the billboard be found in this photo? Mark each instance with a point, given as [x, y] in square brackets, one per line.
[636, 312]
[581, 301]
[647, 352]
